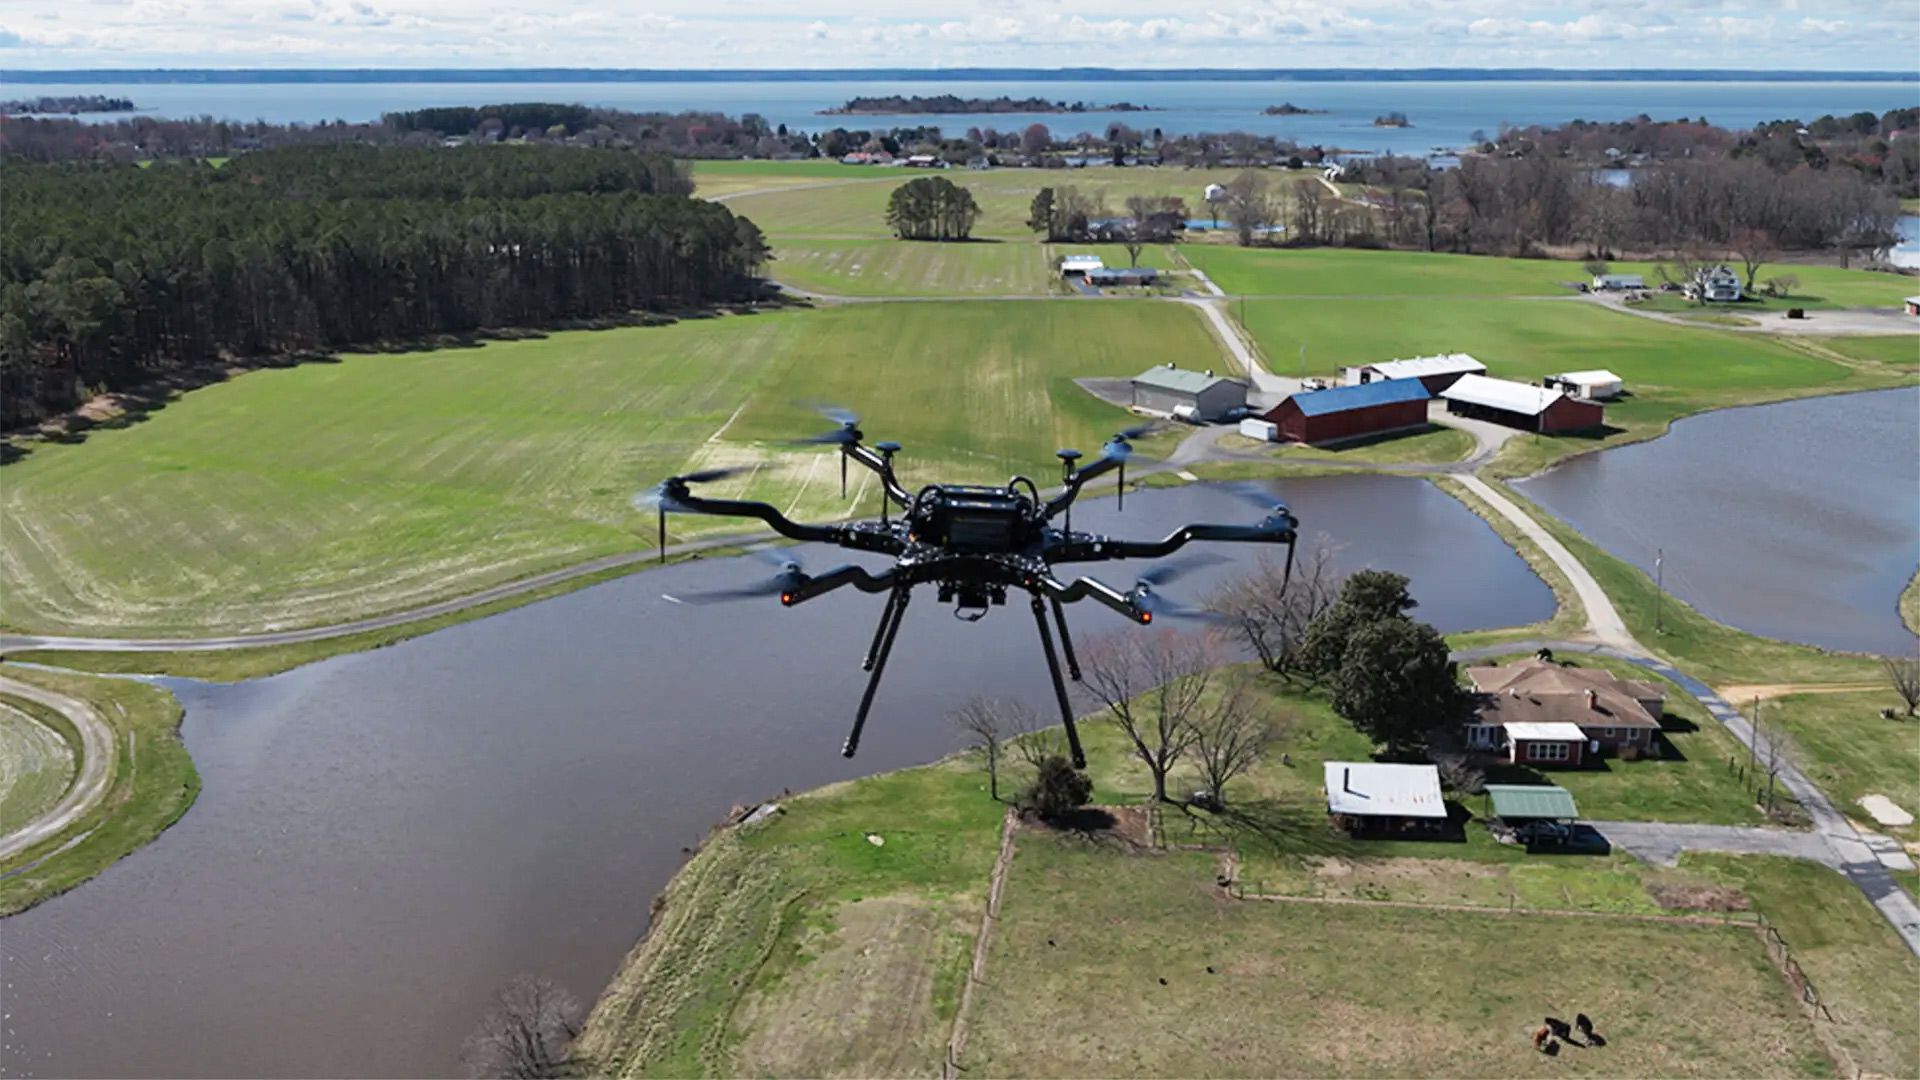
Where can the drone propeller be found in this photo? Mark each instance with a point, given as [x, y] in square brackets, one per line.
[662, 498]
[843, 436]
[790, 575]
[1168, 571]
[1154, 606]
[1120, 448]
[1253, 495]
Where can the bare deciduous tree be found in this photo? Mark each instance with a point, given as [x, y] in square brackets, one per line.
[990, 724]
[1271, 617]
[1231, 735]
[1903, 673]
[1249, 204]
[1755, 248]
[527, 1033]
[1153, 685]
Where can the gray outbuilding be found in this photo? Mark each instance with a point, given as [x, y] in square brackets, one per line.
[1189, 395]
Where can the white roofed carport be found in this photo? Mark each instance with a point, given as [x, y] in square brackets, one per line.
[1370, 789]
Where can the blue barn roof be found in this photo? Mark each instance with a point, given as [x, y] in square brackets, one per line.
[1346, 398]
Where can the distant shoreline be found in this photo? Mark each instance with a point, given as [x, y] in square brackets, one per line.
[941, 75]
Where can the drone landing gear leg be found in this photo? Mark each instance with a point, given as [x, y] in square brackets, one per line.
[880, 632]
[896, 610]
[1066, 640]
[1059, 685]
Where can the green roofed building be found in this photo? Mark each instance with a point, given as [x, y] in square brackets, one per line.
[1198, 396]
[1532, 802]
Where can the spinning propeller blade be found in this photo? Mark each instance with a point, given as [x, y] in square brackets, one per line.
[1159, 607]
[661, 499]
[791, 574]
[1255, 496]
[1171, 570]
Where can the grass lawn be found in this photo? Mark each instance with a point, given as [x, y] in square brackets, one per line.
[1845, 747]
[1892, 350]
[329, 491]
[1100, 967]
[1713, 652]
[37, 753]
[798, 947]
[1337, 272]
[1858, 965]
[154, 783]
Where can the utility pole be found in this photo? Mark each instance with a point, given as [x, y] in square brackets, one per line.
[1659, 587]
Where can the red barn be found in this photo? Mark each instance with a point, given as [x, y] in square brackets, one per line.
[1521, 405]
[1346, 412]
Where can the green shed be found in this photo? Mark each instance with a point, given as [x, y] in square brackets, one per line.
[1531, 802]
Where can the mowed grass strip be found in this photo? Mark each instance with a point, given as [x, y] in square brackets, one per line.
[1099, 967]
[327, 492]
[913, 268]
[1851, 751]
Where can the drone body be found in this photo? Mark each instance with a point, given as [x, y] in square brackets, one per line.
[974, 544]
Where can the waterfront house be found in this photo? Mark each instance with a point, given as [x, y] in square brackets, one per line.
[1538, 712]
[1717, 284]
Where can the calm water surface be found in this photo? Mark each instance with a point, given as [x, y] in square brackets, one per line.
[1444, 114]
[1799, 520]
[386, 838]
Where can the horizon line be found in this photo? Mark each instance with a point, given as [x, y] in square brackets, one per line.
[1091, 73]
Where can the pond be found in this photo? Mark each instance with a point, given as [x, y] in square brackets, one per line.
[1798, 520]
[384, 839]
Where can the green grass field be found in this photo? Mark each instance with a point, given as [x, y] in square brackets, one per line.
[1005, 196]
[903, 268]
[1847, 748]
[328, 491]
[36, 761]
[153, 784]
[1113, 965]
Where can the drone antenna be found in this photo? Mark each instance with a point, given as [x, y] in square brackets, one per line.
[887, 450]
[1067, 458]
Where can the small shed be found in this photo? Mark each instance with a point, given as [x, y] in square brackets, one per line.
[1596, 385]
[1913, 305]
[1529, 408]
[1370, 789]
[1436, 373]
[1080, 265]
[1263, 430]
[1346, 412]
[1551, 745]
[1200, 395]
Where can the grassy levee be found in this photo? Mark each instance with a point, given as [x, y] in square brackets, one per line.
[1113, 965]
[328, 492]
[1845, 746]
[1707, 650]
[800, 947]
[152, 786]
[1856, 963]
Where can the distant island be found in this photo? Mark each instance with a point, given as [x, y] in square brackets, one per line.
[70, 106]
[1393, 119]
[949, 103]
[1288, 108]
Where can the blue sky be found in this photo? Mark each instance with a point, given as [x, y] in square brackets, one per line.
[1794, 34]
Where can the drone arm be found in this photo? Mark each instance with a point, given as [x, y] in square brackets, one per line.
[818, 585]
[1279, 533]
[882, 468]
[1085, 588]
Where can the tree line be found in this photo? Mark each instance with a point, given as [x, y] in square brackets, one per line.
[111, 276]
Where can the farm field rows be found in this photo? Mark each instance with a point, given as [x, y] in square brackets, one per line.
[329, 491]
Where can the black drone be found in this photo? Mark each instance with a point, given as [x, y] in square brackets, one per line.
[973, 544]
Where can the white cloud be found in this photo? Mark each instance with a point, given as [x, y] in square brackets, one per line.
[1837, 34]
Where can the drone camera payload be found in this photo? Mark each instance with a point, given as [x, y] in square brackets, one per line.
[973, 544]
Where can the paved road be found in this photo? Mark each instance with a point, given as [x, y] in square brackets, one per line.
[1603, 622]
[1662, 842]
[1844, 848]
[98, 749]
[1886, 321]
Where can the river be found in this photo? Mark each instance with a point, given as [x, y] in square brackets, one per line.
[1444, 114]
[386, 838]
[1798, 520]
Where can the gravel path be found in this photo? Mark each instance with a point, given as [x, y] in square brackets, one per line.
[97, 751]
